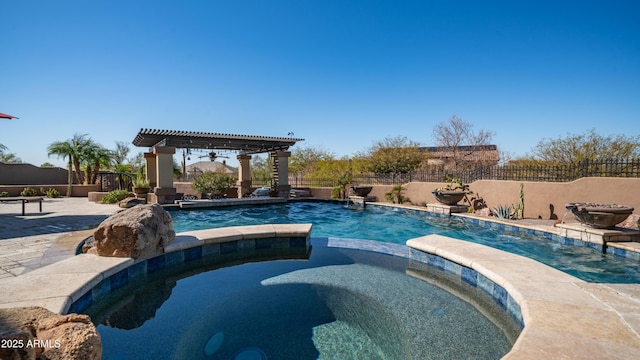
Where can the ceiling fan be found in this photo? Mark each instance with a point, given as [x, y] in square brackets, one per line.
[212, 156]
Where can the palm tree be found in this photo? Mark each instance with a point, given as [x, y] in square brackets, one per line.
[72, 150]
[96, 157]
[7, 157]
[121, 152]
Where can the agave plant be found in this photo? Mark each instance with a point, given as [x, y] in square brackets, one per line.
[502, 212]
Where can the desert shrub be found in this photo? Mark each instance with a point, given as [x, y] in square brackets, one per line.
[396, 196]
[115, 196]
[51, 192]
[214, 184]
[29, 192]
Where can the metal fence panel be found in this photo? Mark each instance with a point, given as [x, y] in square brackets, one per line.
[542, 173]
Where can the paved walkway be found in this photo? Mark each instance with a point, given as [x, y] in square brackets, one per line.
[38, 239]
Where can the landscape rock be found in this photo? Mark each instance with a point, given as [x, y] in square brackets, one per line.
[140, 232]
[130, 202]
[37, 333]
[632, 222]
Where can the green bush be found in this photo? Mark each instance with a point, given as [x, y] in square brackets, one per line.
[115, 196]
[215, 184]
[396, 196]
[51, 192]
[4, 194]
[29, 192]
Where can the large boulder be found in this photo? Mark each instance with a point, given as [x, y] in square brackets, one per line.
[139, 232]
[31, 333]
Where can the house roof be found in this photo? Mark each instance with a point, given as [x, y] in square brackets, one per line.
[249, 144]
[215, 166]
[466, 152]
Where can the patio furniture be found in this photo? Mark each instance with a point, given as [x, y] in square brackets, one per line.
[23, 199]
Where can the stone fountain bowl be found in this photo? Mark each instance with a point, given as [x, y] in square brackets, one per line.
[361, 190]
[448, 197]
[601, 216]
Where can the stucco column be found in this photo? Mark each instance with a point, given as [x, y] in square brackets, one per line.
[164, 191]
[244, 175]
[151, 169]
[283, 172]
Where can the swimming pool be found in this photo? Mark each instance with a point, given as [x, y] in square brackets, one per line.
[334, 304]
[397, 226]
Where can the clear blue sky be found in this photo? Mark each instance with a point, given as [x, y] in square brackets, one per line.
[340, 74]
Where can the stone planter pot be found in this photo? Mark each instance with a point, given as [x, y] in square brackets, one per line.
[141, 190]
[602, 216]
[361, 190]
[448, 197]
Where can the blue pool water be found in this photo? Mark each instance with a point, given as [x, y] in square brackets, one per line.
[334, 304]
[397, 226]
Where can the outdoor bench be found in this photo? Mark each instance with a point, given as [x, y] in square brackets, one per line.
[23, 199]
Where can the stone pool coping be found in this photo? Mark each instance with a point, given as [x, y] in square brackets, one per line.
[563, 317]
[61, 284]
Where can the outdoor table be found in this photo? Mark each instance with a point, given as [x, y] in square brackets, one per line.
[23, 199]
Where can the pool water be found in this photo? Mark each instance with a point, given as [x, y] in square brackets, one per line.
[338, 304]
[397, 226]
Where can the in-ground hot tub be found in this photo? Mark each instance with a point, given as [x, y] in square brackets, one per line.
[338, 303]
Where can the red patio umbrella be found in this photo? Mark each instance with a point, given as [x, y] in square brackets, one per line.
[5, 116]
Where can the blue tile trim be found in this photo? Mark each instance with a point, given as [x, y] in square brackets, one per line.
[297, 242]
[194, 253]
[174, 258]
[470, 276]
[619, 252]
[435, 261]
[101, 290]
[475, 279]
[139, 271]
[228, 247]
[264, 243]
[82, 304]
[119, 279]
[157, 263]
[500, 295]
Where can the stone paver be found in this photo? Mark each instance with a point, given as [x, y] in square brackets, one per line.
[36, 239]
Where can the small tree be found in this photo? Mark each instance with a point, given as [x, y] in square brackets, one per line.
[214, 184]
[394, 155]
[261, 169]
[304, 159]
[576, 148]
[455, 133]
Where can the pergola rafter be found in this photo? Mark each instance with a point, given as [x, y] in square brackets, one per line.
[247, 144]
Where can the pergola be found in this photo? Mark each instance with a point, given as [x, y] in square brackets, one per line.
[163, 143]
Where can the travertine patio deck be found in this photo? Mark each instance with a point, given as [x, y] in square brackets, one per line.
[36, 239]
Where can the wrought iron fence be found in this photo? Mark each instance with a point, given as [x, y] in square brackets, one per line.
[548, 173]
[109, 181]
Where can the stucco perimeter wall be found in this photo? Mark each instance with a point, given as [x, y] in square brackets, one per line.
[27, 174]
[542, 200]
